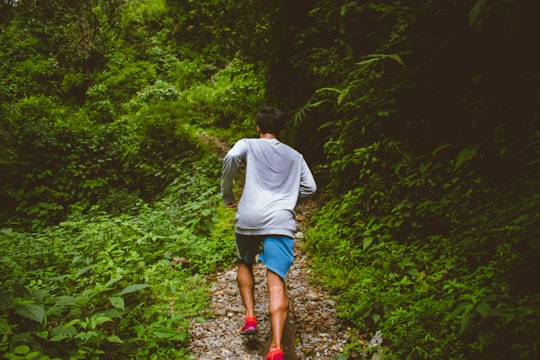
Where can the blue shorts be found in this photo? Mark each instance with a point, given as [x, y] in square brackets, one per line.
[277, 251]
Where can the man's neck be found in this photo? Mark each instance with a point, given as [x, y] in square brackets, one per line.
[267, 136]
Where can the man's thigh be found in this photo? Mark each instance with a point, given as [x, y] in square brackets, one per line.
[247, 247]
[278, 254]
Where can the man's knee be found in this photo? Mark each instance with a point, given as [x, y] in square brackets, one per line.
[244, 265]
[245, 274]
[278, 305]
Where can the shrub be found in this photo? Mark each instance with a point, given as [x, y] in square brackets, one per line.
[98, 285]
[437, 257]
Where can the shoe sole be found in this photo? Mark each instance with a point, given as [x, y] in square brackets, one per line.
[249, 332]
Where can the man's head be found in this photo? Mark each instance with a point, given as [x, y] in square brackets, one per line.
[270, 121]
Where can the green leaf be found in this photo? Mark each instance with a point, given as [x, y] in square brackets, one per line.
[42, 334]
[133, 288]
[114, 339]
[467, 154]
[62, 332]
[87, 335]
[439, 149]
[200, 320]
[32, 311]
[22, 349]
[117, 302]
[60, 306]
[113, 281]
[475, 12]
[82, 271]
[164, 332]
[99, 319]
[113, 313]
[32, 355]
[467, 319]
[366, 242]
[483, 309]
[7, 231]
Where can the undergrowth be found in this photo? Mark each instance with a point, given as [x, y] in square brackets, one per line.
[115, 286]
[444, 269]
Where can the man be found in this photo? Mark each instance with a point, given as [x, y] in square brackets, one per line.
[276, 176]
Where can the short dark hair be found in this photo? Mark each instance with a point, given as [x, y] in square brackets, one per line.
[270, 120]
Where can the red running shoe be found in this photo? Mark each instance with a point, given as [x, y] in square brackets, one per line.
[276, 354]
[250, 328]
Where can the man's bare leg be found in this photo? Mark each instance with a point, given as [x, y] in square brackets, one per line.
[246, 284]
[278, 306]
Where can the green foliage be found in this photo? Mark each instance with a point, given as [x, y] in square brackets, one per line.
[122, 80]
[104, 166]
[66, 162]
[429, 162]
[99, 284]
[229, 100]
[126, 126]
[432, 254]
[221, 29]
[421, 117]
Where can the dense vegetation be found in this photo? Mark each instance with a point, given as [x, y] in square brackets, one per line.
[420, 119]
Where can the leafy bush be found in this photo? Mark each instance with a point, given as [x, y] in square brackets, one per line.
[59, 158]
[100, 285]
[229, 100]
[117, 85]
[433, 255]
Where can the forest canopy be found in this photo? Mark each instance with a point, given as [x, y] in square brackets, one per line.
[419, 118]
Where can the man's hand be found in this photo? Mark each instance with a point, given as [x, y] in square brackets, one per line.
[232, 205]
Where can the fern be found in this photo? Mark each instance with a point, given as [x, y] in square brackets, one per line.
[467, 154]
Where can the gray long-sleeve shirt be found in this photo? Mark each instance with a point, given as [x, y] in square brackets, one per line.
[276, 176]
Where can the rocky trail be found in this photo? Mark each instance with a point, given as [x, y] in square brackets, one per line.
[318, 332]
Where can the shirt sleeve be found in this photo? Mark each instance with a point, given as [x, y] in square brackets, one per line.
[307, 182]
[231, 163]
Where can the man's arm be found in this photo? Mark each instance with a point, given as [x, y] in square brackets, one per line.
[231, 163]
[307, 182]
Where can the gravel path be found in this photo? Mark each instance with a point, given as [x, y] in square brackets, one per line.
[319, 333]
